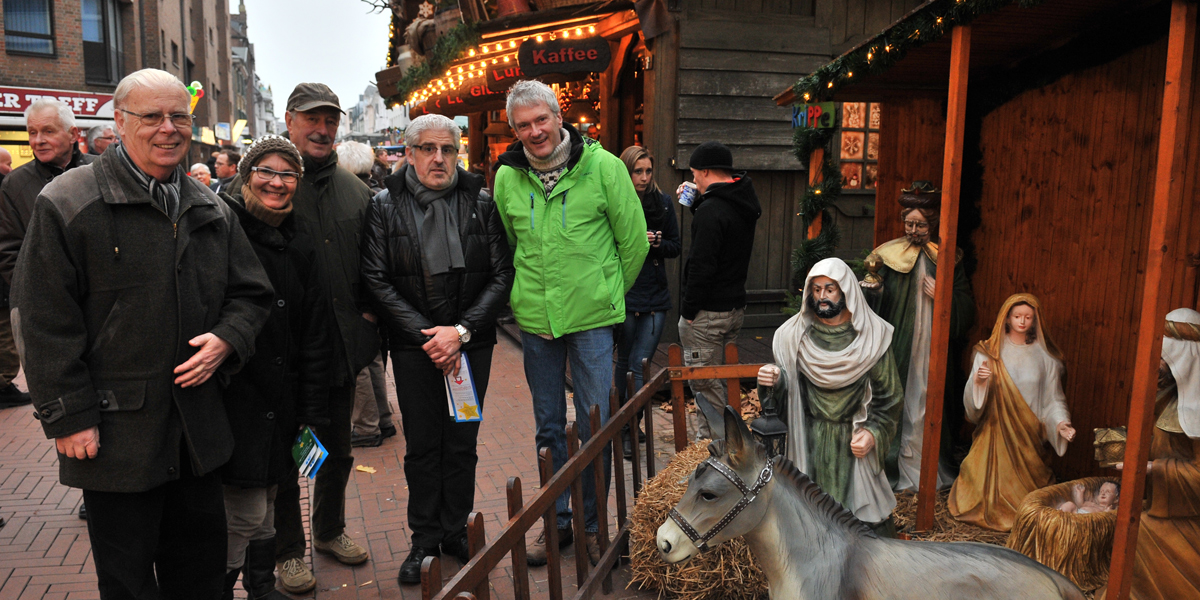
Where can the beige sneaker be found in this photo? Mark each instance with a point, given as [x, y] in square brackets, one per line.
[343, 549]
[295, 576]
[536, 556]
[593, 546]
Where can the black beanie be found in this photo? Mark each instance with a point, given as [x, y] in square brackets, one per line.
[711, 155]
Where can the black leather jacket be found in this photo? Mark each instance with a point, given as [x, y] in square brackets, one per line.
[394, 275]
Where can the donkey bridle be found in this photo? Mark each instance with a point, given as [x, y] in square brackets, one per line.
[749, 494]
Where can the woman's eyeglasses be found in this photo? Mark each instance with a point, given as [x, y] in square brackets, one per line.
[266, 174]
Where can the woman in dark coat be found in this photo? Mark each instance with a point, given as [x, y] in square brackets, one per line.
[285, 384]
[647, 302]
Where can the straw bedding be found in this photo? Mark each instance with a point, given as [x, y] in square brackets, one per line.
[1078, 546]
[727, 571]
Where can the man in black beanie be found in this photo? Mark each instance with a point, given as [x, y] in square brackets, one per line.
[714, 278]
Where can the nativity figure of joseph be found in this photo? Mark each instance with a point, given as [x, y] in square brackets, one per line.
[843, 392]
[902, 293]
[1166, 565]
[1015, 396]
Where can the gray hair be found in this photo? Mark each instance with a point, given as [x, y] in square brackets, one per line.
[96, 132]
[66, 118]
[530, 93]
[424, 123]
[355, 157]
[145, 78]
[199, 167]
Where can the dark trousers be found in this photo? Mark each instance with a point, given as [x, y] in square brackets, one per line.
[440, 453]
[328, 497]
[176, 529]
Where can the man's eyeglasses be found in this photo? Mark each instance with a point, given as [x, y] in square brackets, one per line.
[430, 149]
[266, 174]
[916, 225]
[179, 120]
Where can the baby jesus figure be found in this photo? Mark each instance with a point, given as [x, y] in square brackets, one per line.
[1105, 500]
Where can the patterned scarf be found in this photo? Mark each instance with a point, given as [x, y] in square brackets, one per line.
[549, 169]
[164, 193]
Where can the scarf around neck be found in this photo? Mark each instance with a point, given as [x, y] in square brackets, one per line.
[164, 193]
[439, 233]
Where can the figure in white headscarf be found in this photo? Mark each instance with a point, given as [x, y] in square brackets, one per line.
[1167, 563]
[844, 393]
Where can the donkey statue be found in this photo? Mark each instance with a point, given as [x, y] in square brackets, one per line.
[810, 548]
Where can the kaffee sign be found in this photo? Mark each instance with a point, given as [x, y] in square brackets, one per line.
[587, 55]
[15, 100]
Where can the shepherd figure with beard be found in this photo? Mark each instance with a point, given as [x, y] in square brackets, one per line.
[904, 298]
[844, 394]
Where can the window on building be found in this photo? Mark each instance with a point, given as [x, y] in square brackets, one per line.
[175, 54]
[858, 150]
[102, 41]
[28, 27]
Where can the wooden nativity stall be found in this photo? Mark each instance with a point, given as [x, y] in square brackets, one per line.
[1062, 135]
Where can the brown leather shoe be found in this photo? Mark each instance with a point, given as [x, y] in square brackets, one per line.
[295, 576]
[536, 556]
[592, 542]
[343, 549]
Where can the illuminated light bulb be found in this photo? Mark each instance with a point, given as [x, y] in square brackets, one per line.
[447, 72]
[513, 44]
[870, 56]
[471, 52]
[591, 29]
[494, 61]
[539, 39]
[460, 69]
[817, 192]
[505, 59]
[566, 34]
[578, 31]
[485, 49]
[830, 84]
[850, 74]
[806, 97]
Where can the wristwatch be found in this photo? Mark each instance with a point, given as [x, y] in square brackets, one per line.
[464, 334]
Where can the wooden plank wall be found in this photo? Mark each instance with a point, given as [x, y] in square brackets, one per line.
[852, 21]
[1068, 174]
[731, 63]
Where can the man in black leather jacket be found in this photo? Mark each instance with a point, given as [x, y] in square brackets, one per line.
[436, 263]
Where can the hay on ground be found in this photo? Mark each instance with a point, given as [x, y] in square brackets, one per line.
[725, 572]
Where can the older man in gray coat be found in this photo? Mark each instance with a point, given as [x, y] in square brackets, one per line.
[134, 286]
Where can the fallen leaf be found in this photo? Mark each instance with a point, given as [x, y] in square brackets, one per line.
[365, 469]
[367, 583]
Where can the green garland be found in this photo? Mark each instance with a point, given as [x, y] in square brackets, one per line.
[448, 48]
[889, 47]
[817, 200]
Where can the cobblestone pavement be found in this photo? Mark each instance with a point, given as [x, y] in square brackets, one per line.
[44, 550]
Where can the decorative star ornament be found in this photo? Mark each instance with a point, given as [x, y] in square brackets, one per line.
[468, 411]
[425, 11]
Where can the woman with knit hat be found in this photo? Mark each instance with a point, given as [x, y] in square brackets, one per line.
[284, 386]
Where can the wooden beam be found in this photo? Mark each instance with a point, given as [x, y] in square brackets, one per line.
[956, 116]
[1162, 245]
[815, 176]
[476, 144]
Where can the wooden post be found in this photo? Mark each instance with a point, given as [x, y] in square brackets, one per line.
[476, 542]
[520, 567]
[678, 408]
[1164, 225]
[577, 512]
[431, 577]
[815, 176]
[956, 116]
[733, 385]
[550, 523]
[476, 142]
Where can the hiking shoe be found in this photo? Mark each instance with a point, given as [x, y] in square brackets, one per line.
[296, 577]
[537, 554]
[343, 549]
[592, 542]
[365, 441]
[410, 569]
[10, 396]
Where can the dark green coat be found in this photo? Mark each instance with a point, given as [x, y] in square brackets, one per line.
[106, 294]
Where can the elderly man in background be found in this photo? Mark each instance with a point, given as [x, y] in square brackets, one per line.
[437, 265]
[200, 173]
[5, 164]
[578, 232]
[371, 421]
[224, 170]
[136, 285]
[100, 138]
[52, 137]
[329, 207]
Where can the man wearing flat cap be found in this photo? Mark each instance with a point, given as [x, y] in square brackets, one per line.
[330, 206]
[901, 291]
[724, 211]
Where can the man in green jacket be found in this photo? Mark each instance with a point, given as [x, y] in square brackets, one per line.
[578, 236]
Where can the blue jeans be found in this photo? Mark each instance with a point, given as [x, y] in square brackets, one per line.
[639, 340]
[590, 353]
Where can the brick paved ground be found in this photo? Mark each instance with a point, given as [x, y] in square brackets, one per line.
[44, 550]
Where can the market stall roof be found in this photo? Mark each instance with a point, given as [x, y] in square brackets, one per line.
[1002, 38]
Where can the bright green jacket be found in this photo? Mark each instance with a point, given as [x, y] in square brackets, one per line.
[577, 252]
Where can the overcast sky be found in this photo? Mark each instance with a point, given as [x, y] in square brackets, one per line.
[335, 42]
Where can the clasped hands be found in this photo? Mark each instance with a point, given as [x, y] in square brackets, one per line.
[443, 348]
[860, 445]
